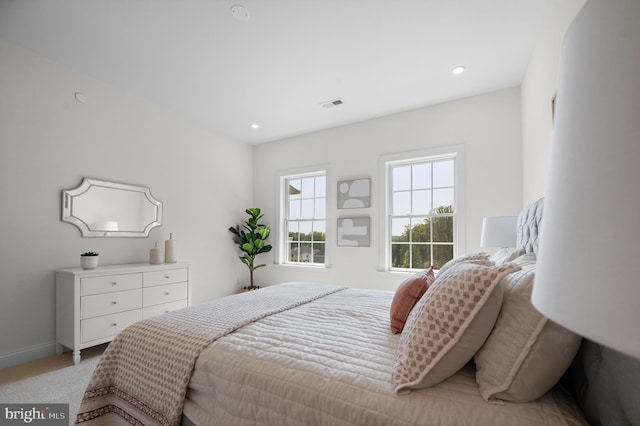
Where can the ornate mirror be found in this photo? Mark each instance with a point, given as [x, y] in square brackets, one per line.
[109, 209]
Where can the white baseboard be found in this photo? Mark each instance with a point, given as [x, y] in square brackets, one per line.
[25, 355]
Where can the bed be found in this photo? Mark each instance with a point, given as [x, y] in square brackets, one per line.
[318, 354]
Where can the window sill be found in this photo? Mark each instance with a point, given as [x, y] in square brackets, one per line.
[310, 267]
[400, 274]
[394, 274]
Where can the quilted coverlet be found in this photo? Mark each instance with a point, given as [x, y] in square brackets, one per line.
[143, 375]
[329, 362]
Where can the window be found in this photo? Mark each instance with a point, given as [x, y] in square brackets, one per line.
[423, 210]
[303, 219]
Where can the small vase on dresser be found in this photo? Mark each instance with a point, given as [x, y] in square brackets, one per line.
[89, 260]
[93, 305]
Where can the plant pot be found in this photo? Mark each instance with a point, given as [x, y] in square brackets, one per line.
[89, 262]
[249, 288]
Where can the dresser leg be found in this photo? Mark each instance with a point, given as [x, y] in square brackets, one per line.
[76, 357]
[58, 349]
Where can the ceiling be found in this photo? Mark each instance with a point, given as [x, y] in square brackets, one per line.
[278, 67]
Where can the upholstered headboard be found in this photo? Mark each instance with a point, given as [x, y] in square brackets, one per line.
[529, 222]
[605, 383]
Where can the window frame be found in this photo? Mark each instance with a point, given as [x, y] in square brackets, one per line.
[281, 226]
[387, 162]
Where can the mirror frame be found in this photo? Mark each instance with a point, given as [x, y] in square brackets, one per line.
[68, 214]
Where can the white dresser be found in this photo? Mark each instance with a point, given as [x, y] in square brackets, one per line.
[93, 305]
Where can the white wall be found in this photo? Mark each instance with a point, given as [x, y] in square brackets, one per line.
[48, 142]
[538, 89]
[487, 125]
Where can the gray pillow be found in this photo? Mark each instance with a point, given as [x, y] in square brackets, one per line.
[526, 354]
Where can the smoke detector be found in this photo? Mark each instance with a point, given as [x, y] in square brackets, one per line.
[332, 103]
[241, 13]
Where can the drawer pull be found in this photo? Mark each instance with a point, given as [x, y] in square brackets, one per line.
[166, 293]
[167, 276]
[114, 283]
[114, 303]
[114, 325]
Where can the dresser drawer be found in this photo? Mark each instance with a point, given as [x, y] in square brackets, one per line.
[109, 283]
[110, 303]
[107, 325]
[152, 311]
[166, 276]
[164, 293]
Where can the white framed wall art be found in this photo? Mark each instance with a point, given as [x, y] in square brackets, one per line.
[354, 231]
[353, 194]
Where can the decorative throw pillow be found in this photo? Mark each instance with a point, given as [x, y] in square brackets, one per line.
[407, 295]
[526, 353]
[505, 255]
[476, 258]
[448, 325]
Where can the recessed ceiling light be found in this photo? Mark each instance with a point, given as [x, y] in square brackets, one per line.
[458, 70]
[255, 126]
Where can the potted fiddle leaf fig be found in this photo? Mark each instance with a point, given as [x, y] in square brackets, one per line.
[251, 238]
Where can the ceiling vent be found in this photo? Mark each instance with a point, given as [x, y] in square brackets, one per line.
[332, 103]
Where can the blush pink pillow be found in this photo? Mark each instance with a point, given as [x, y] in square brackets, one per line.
[407, 295]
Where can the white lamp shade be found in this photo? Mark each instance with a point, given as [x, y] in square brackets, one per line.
[588, 274]
[498, 231]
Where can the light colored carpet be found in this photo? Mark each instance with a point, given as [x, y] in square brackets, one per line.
[50, 380]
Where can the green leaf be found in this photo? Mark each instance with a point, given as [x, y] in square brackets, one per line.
[253, 211]
[264, 233]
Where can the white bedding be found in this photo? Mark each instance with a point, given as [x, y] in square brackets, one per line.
[329, 362]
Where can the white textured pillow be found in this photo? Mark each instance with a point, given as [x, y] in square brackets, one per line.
[477, 258]
[505, 255]
[526, 353]
[448, 324]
